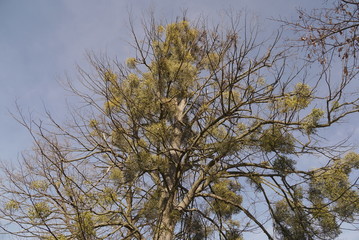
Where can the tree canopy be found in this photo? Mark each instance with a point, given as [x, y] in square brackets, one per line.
[205, 133]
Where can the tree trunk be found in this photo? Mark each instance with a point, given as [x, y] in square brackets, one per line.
[166, 227]
[165, 230]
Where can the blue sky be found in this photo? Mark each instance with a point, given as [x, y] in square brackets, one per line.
[42, 40]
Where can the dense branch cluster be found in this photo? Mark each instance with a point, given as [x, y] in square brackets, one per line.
[332, 32]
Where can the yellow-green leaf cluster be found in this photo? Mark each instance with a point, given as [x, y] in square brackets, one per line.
[276, 139]
[298, 99]
[56, 237]
[290, 223]
[109, 76]
[311, 121]
[333, 184]
[85, 225]
[39, 210]
[283, 164]
[131, 63]
[116, 174]
[39, 185]
[151, 208]
[12, 205]
[159, 132]
[108, 196]
[326, 220]
[228, 190]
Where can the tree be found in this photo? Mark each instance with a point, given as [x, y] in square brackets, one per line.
[331, 32]
[205, 133]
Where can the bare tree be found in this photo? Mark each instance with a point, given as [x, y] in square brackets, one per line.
[196, 137]
[331, 32]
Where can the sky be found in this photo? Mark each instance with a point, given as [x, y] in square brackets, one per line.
[42, 42]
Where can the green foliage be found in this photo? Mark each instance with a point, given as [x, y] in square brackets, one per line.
[294, 222]
[310, 122]
[284, 164]
[331, 198]
[170, 77]
[224, 144]
[291, 222]
[93, 123]
[275, 139]
[298, 99]
[233, 234]
[194, 227]
[152, 208]
[109, 196]
[116, 175]
[109, 76]
[329, 228]
[12, 205]
[349, 162]
[131, 63]
[39, 185]
[159, 132]
[57, 237]
[39, 211]
[84, 226]
[227, 190]
[332, 185]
